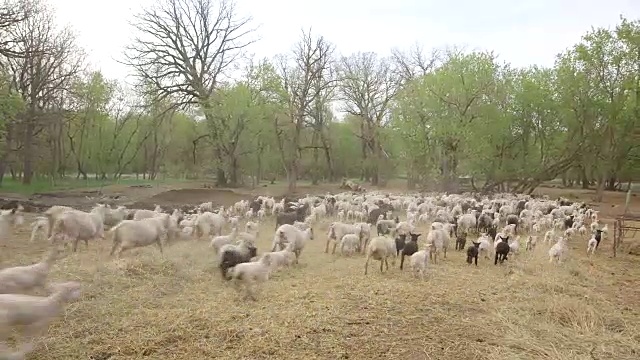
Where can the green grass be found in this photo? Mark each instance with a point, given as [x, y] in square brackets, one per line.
[46, 185]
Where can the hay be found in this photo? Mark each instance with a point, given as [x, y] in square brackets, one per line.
[176, 307]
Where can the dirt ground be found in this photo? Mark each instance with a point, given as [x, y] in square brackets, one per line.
[174, 305]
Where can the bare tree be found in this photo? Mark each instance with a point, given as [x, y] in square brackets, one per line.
[305, 78]
[367, 86]
[414, 63]
[12, 13]
[50, 60]
[184, 49]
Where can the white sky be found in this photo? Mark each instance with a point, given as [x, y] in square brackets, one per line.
[522, 32]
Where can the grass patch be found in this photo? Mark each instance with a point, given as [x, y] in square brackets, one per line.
[46, 185]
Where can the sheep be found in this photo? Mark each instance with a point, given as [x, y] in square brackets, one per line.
[531, 242]
[218, 241]
[7, 219]
[558, 250]
[232, 255]
[21, 279]
[419, 261]
[472, 253]
[337, 230]
[52, 215]
[400, 240]
[568, 222]
[114, 216]
[287, 234]
[282, 258]
[409, 248]
[514, 245]
[33, 313]
[384, 226]
[485, 245]
[145, 214]
[129, 234]
[207, 223]
[349, 244]
[461, 240]
[549, 235]
[439, 240]
[513, 220]
[39, 225]
[594, 241]
[467, 222]
[502, 250]
[251, 273]
[79, 225]
[380, 248]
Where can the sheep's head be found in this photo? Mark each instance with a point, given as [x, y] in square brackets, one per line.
[476, 244]
[414, 237]
[69, 291]
[504, 239]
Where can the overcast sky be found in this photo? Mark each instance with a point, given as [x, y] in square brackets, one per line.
[522, 32]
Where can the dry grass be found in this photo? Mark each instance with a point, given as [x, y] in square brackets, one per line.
[176, 307]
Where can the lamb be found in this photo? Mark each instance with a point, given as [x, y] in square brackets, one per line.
[129, 234]
[52, 215]
[384, 226]
[287, 234]
[400, 240]
[419, 261]
[232, 255]
[21, 279]
[513, 220]
[594, 241]
[7, 219]
[502, 250]
[461, 240]
[282, 258]
[380, 248]
[439, 240]
[208, 223]
[531, 242]
[337, 230]
[549, 235]
[33, 313]
[467, 222]
[218, 241]
[349, 244]
[558, 250]
[38, 226]
[410, 248]
[514, 245]
[251, 273]
[472, 253]
[485, 245]
[79, 225]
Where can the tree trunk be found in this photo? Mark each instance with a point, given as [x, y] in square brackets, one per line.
[27, 151]
[583, 178]
[233, 173]
[292, 176]
[327, 155]
[221, 178]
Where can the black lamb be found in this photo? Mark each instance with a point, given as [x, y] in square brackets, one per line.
[410, 248]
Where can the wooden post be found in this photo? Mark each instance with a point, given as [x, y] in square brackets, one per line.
[615, 237]
[627, 201]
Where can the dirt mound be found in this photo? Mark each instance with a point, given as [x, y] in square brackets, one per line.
[219, 197]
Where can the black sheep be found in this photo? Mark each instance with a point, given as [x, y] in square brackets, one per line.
[400, 241]
[568, 222]
[485, 222]
[502, 250]
[410, 248]
[298, 214]
[461, 240]
[231, 258]
[492, 232]
[598, 237]
[472, 253]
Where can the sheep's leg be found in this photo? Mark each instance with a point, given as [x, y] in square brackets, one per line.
[381, 264]
[75, 245]
[159, 242]
[445, 252]
[335, 243]
[366, 265]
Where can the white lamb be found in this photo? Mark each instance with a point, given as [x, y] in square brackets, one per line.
[349, 244]
[21, 279]
[531, 242]
[130, 234]
[32, 314]
[208, 223]
[439, 240]
[39, 226]
[548, 236]
[381, 248]
[514, 245]
[7, 221]
[558, 250]
[76, 225]
[418, 262]
[218, 241]
[282, 258]
[250, 274]
[591, 245]
[337, 230]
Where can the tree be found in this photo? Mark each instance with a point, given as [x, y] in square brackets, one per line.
[185, 50]
[367, 87]
[305, 78]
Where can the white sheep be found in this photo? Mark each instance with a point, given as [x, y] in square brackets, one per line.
[282, 258]
[76, 225]
[439, 240]
[39, 226]
[208, 223]
[467, 222]
[21, 279]
[7, 221]
[287, 234]
[337, 230]
[531, 242]
[114, 216]
[32, 314]
[130, 234]
[381, 248]
[591, 245]
[349, 244]
[250, 274]
[558, 250]
[52, 215]
[549, 235]
[419, 261]
[218, 241]
[485, 246]
[514, 245]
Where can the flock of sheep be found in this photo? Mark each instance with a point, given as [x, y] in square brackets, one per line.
[365, 223]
